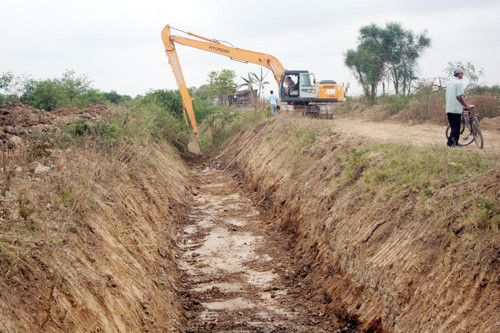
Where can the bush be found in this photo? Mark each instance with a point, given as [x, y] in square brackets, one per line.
[426, 106]
[116, 98]
[487, 104]
[396, 103]
[148, 121]
[479, 90]
[167, 99]
[47, 95]
[89, 97]
[217, 121]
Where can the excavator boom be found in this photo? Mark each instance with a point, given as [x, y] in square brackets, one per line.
[214, 46]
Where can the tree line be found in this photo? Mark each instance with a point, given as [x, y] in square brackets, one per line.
[50, 94]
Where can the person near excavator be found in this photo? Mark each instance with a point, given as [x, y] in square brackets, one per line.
[290, 85]
[273, 102]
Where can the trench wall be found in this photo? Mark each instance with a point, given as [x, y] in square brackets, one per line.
[99, 254]
[383, 260]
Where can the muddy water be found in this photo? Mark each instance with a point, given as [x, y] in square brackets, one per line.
[235, 266]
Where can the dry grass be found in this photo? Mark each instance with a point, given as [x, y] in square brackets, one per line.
[100, 222]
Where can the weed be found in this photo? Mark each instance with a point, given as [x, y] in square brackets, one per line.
[427, 191]
[308, 138]
[488, 215]
[72, 228]
[67, 198]
[4, 213]
[24, 207]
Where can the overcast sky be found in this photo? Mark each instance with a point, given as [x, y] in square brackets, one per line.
[118, 45]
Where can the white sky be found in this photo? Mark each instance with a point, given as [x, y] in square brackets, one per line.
[118, 45]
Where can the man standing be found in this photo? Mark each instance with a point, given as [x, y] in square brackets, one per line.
[455, 104]
[273, 102]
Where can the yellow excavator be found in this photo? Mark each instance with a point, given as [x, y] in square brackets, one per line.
[297, 88]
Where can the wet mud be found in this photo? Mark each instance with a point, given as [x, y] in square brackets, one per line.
[238, 271]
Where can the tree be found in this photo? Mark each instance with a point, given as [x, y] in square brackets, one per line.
[46, 94]
[73, 85]
[260, 81]
[367, 67]
[392, 49]
[6, 80]
[222, 84]
[400, 50]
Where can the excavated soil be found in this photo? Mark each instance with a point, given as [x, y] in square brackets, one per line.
[239, 274]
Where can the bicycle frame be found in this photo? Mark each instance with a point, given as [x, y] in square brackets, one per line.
[467, 116]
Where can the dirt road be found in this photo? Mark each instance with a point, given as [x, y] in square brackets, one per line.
[238, 274]
[420, 135]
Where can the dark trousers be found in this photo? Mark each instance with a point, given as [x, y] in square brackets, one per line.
[454, 119]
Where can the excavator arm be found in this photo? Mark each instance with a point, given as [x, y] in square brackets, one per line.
[214, 46]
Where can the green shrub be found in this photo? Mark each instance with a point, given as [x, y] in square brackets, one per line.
[89, 97]
[47, 95]
[396, 103]
[217, 120]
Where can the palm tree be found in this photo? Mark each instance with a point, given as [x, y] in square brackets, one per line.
[260, 81]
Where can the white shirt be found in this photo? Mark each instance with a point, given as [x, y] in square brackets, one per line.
[453, 89]
[272, 99]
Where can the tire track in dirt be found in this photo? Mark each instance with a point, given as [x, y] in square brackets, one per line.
[238, 274]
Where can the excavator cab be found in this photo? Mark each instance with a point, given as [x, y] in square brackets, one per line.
[298, 87]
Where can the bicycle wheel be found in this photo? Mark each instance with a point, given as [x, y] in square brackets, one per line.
[477, 133]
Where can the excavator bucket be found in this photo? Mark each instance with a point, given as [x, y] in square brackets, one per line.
[194, 146]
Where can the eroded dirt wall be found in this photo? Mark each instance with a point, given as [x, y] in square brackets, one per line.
[88, 240]
[384, 258]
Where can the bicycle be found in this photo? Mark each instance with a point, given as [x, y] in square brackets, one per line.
[470, 121]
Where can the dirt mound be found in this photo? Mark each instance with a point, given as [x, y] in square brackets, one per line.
[98, 110]
[17, 114]
[491, 124]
